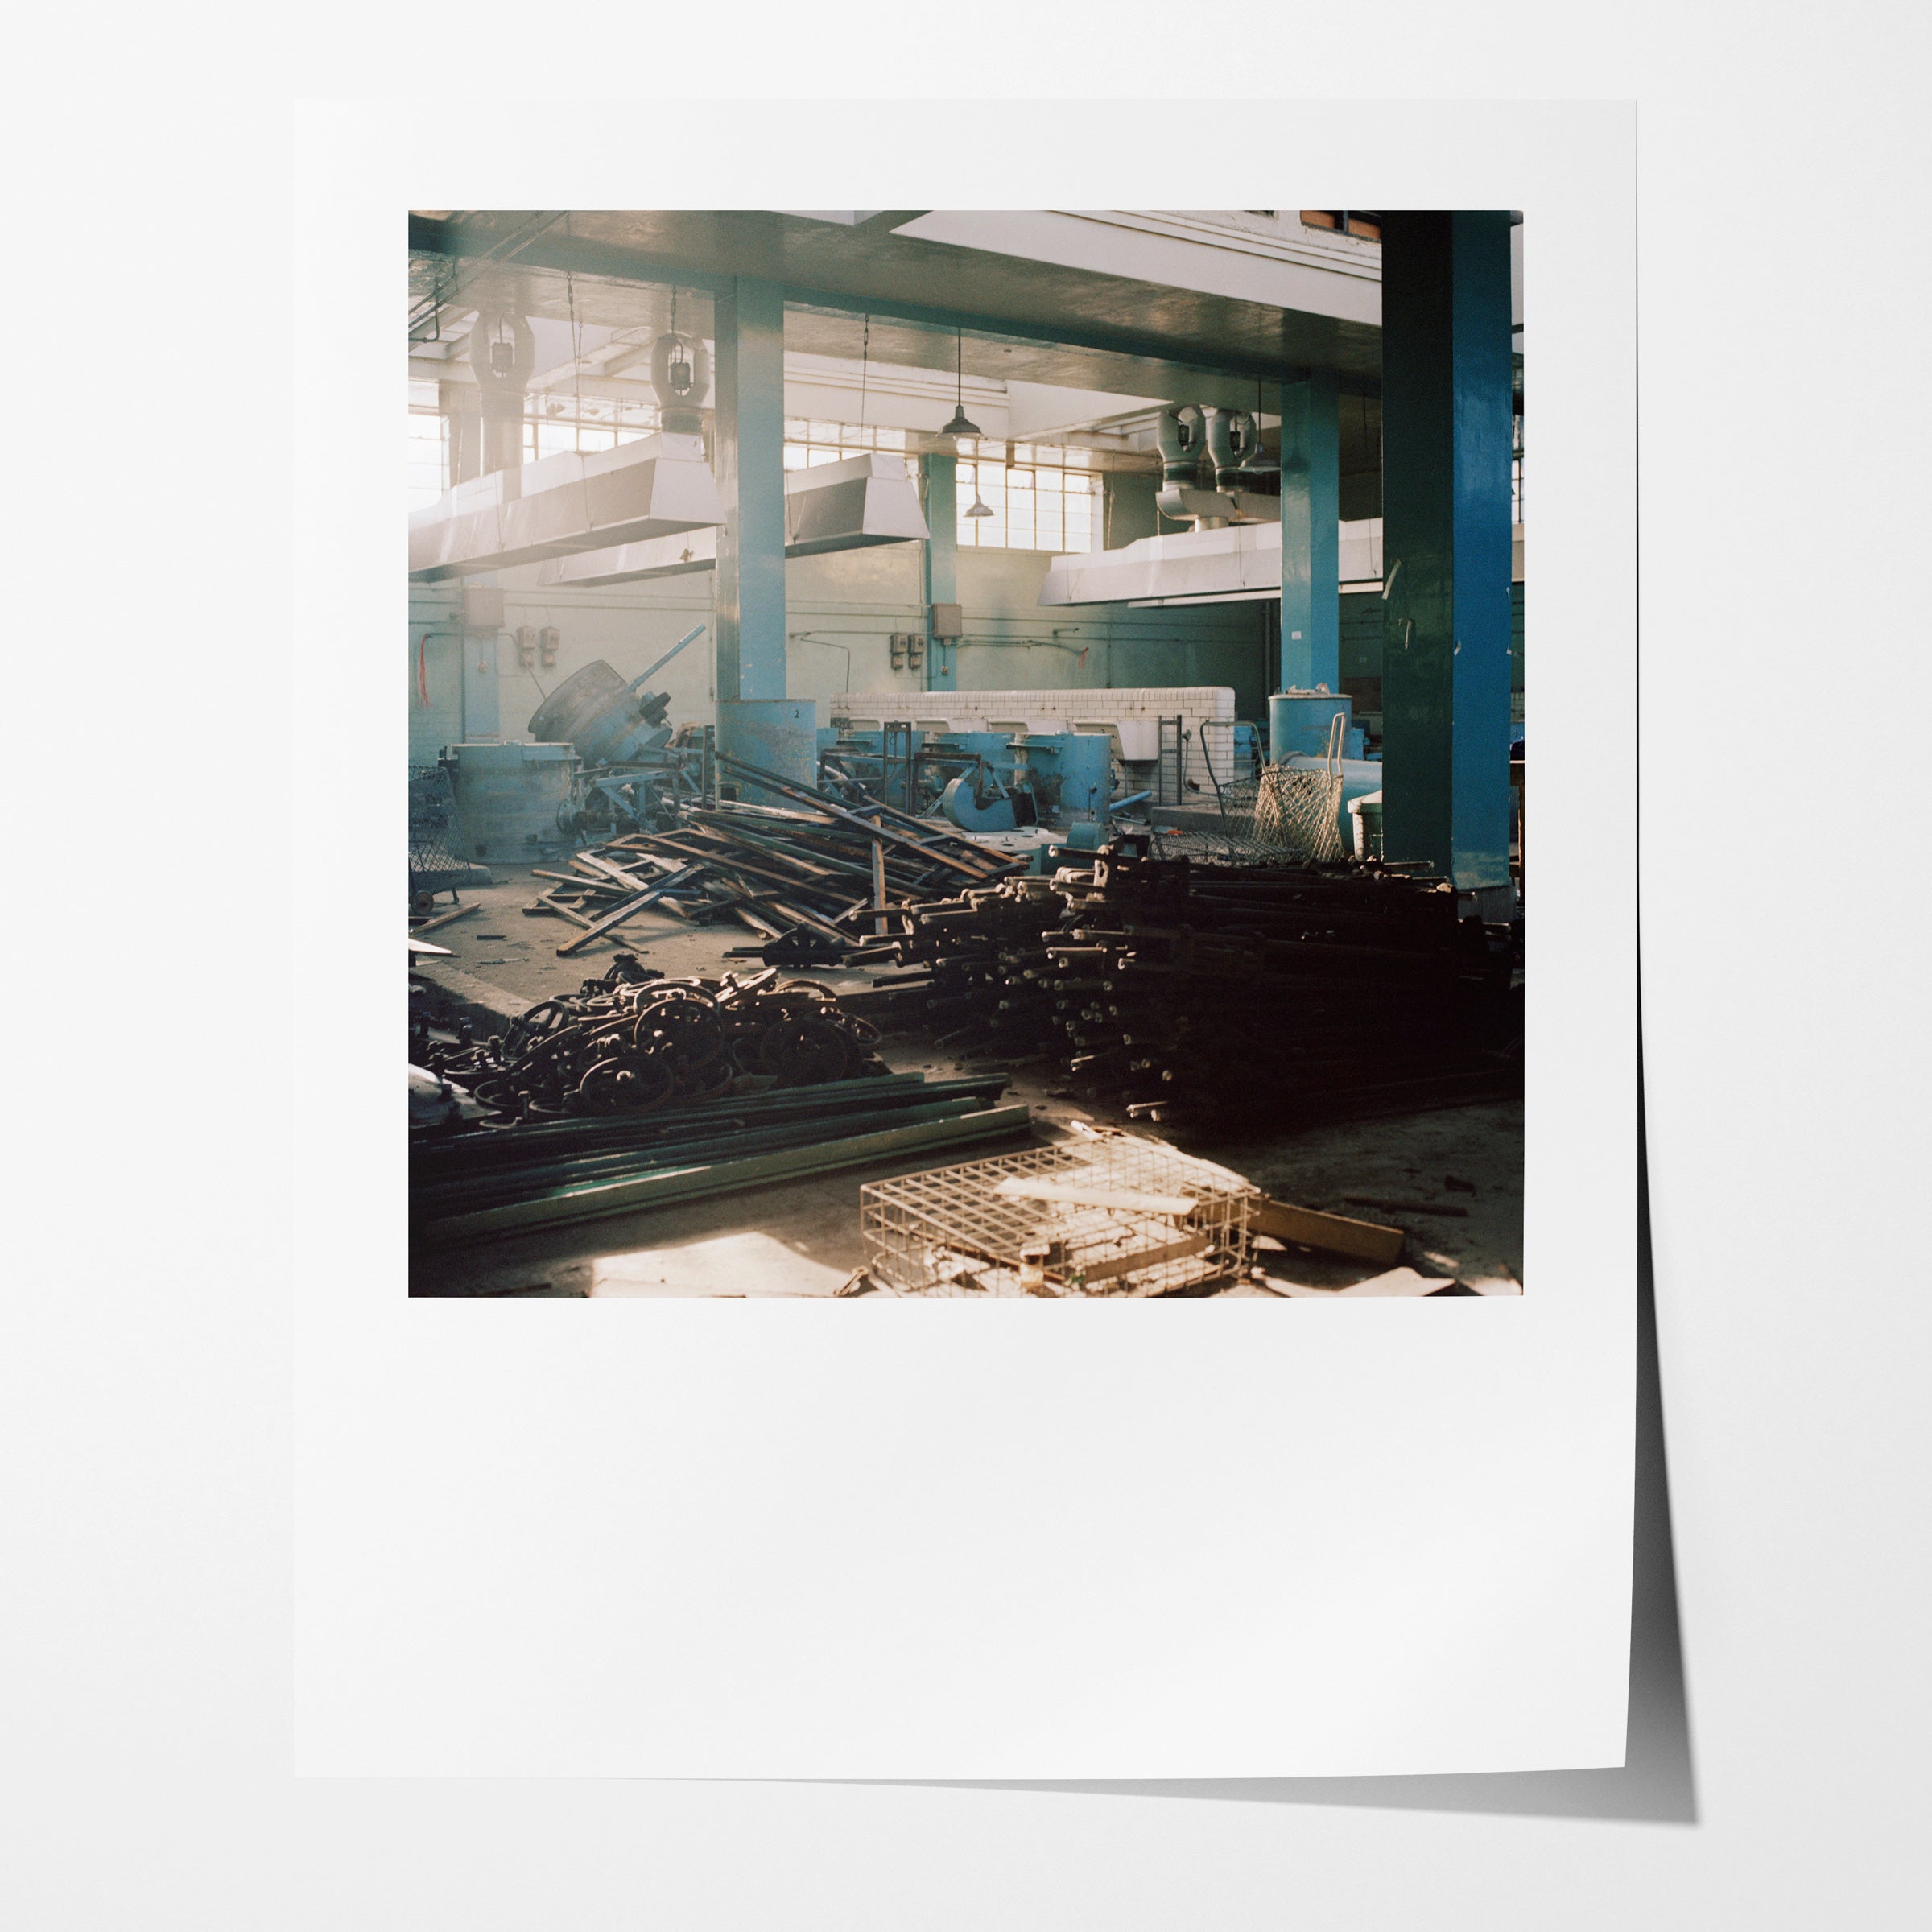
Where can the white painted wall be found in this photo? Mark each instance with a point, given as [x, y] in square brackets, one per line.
[850, 604]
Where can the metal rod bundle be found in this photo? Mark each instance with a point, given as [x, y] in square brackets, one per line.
[1158, 987]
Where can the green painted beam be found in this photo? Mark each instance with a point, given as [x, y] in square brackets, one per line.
[942, 572]
[666, 1186]
[749, 627]
[1311, 654]
[1446, 439]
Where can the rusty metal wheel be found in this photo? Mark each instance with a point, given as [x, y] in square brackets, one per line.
[805, 1053]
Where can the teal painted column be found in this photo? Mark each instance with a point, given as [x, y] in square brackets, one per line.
[1311, 562]
[748, 459]
[942, 568]
[1446, 381]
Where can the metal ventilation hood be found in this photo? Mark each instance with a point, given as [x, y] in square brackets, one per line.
[1237, 563]
[659, 486]
[848, 505]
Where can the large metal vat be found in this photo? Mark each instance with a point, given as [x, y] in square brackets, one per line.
[1299, 722]
[508, 800]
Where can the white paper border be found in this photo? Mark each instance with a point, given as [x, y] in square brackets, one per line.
[754, 1539]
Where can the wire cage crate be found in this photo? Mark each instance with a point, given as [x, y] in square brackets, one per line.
[1122, 1216]
[1280, 810]
[434, 866]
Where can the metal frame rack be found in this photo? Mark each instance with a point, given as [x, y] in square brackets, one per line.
[1121, 1216]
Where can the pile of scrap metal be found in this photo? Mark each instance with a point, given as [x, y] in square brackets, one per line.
[1115, 1214]
[811, 878]
[638, 1090]
[634, 1041]
[1105, 1212]
[1292, 991]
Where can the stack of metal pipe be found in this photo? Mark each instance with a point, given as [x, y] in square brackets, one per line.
[1159, 989]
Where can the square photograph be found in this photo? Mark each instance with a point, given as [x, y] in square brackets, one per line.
[966, 755]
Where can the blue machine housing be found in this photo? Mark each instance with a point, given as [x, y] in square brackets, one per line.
[1069, 773]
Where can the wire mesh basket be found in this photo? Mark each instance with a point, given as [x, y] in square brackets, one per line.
[1287, 811]
[434, 864]
[431, 803]
[1121, 1216]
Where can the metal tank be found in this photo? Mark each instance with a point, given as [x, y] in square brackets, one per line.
[1299, 723]
[508, 801]
[778, 735]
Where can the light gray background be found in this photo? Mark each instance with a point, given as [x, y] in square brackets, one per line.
[142, 1382]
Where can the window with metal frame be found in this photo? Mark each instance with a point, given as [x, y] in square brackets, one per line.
[1041, 496]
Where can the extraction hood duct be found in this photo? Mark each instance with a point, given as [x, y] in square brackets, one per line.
[1235, 563]
[659, 486]
[1230, 439]
[849, 505]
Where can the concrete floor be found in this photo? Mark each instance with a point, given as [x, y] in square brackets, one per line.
[802, 1238]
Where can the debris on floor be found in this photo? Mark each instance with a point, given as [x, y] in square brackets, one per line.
[633, 1040]
[1121, 1214]
[638, 1091]
[1396, 1281]
[1332, 1234]
[812, 880]
[1293, 992]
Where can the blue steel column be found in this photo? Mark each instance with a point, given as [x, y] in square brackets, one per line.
[749, 453]
[942, 572]
[1312, 498]
[1446, 544]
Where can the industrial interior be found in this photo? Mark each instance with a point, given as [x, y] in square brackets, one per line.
[966, 755]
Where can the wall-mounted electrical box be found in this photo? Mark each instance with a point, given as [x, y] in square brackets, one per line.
[527, 644]
[482, 609]
[898, 650]
[947, 621]
[916, 650]
[549, 640]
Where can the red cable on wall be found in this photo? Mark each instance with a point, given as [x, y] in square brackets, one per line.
[423, 670]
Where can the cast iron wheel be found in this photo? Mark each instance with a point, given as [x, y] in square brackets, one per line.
[747, 1051]
[704, 1082]
[805, 1053]
[686, 1029]
[627, 1083]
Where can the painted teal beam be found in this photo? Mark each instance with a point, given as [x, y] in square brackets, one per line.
[749, 628]
[941, 561]
[1446, 381]
[1311, 565]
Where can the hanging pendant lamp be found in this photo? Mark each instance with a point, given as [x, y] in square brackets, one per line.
[961, 425]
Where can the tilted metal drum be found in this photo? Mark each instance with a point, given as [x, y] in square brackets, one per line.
[607, 720]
